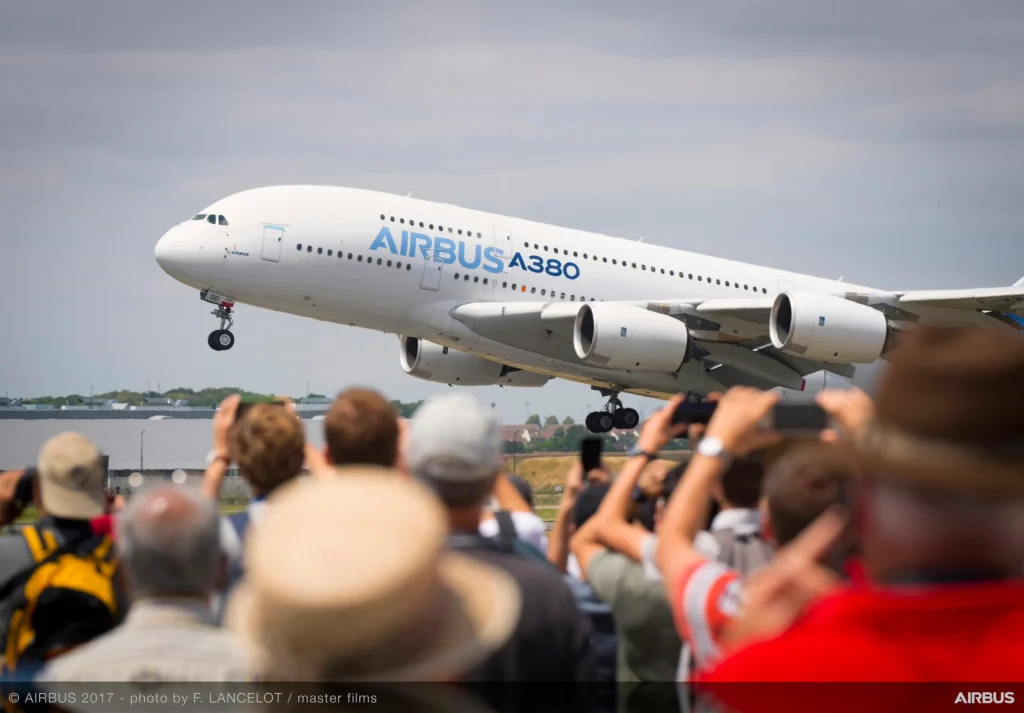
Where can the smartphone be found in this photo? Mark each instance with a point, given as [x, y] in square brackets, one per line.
[791, 419]
[590, 454]
[244, 406]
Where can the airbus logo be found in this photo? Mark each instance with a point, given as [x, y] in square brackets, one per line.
[984, 697]
[235, 251]
[470, 256]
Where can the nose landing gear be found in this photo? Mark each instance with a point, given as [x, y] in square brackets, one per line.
[222, 339]
[614, 415]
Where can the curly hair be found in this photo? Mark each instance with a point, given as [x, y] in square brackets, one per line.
[268, 444]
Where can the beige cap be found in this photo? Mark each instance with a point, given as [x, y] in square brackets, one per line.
[71, 477]
[348, 579]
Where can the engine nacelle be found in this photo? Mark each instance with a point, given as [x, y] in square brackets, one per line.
[827, 329]
[432, 362]
[616, 336]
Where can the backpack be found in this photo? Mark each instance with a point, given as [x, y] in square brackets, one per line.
[744, 552]
[66, 598]
[604, 637]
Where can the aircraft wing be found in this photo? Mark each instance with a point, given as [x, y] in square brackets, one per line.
[989, 299]
[731, 335]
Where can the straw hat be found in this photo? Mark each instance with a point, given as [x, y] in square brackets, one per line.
[348, 579]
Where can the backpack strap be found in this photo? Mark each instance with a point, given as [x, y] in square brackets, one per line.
[240, 522]
[36, 544]
[506, 527]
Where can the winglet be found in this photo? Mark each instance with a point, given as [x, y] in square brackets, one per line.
[1019, 283]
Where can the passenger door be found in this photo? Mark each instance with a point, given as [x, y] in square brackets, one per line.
[431, 273]
[273, 239]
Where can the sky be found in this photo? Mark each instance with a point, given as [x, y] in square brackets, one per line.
[882, 142]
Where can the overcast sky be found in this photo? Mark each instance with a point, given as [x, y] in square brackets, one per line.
[838, 138]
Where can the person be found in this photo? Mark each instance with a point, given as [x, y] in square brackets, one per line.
[512, 518]
[939, 513]
[705, 594]
[454, 448]
[348, 579]
[59, 585]
[168, 549]
[361, 427]
[610, 547]
[578, 503]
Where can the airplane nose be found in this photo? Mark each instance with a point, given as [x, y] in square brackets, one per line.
[168, 250]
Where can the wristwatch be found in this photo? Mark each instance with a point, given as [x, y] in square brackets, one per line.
[637, 451]
[714, 448]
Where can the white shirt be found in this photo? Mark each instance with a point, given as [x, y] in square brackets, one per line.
[742, 521]
[529, 528]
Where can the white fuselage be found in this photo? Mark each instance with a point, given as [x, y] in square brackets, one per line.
[401, 265]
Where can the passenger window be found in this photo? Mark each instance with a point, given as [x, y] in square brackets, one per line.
[431, 226]
[389, 263]
[329, 253]
[359, 259]
[476, 279]
[465, 278]
[398, 265]
[460, 231]
[200, 216]
[485, 280]
[309, 248]
[401, 220]
[319, 251]
[504, 284]
[700, 279]
[421, 224]
[379, 260]
[299, 246]
[543, 292]
[533, 290]
[382, 216]
[221, 220]
[392, 219]
[456, 275]
[449, 229]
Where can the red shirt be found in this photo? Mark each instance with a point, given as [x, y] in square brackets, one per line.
[951, 632]
[103, 525]
[706, 597]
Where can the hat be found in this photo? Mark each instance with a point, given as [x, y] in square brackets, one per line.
[348, 579]
[949, 415]
[454, 439]
[587, 503]
[71, 477]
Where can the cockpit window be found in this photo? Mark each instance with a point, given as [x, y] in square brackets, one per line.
[221, 220]
[200, 216]
[211, 219]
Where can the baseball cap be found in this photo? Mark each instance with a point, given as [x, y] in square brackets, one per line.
[454, 440]
[71, 477]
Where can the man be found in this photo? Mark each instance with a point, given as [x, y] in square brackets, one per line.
[168, 550]
[454, 448]
[348, 580]
[705, 594]
[512, 517]
[71, 494]
[940, 518]
[362, 428]
[610, 549]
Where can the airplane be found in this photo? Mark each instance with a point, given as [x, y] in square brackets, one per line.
[483, 299]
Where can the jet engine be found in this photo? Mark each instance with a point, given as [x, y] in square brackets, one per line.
[828, 329]
[616, 336]
[433, 362]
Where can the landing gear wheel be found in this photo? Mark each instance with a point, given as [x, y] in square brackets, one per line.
[626, 419]
[221, 340]
[604, 422]
[590, 423]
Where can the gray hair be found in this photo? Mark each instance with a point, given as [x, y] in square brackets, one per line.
[168, 541]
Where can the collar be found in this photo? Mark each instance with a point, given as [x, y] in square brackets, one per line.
[742, 521]
[169, 612]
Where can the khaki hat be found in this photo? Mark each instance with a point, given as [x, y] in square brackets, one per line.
[949, 415]
[71, 477]
[348, 579]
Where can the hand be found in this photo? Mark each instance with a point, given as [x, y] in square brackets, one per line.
[777, 594]
[658, 431]
[223, 420]
[598, 476]
[573, 483]
[315, 460]
[737, 418]
[851, 408]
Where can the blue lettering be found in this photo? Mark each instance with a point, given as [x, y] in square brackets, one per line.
[424, 241]
[538, 264]
[517, 261]
[496, 265]
[444, 250]
[384, 238]
[554, 268]
[462, 257]
[575, 269]
[405, 242]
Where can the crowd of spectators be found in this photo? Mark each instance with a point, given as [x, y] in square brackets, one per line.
[890, 548]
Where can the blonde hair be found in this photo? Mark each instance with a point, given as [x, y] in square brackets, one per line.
[268, 443]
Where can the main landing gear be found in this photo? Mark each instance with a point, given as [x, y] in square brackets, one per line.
[222, 339]
[613, 415]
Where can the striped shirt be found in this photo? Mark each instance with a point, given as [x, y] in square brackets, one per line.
[706, 597]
